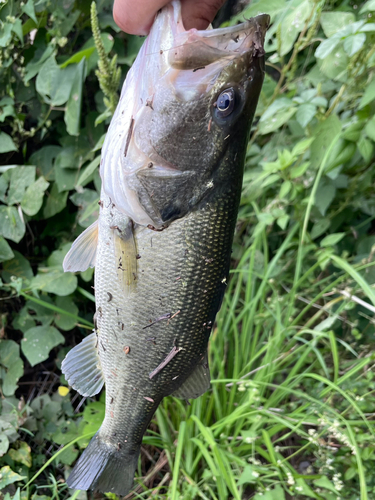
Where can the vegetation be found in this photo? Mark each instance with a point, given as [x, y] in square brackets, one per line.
[291, 409]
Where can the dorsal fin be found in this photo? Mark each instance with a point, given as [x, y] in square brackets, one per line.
[82, 253]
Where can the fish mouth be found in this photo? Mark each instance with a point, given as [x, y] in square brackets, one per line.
[196, 49]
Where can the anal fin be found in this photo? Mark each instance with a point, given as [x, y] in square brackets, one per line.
[82, 253]
[82, 369]
[197, 383]
[126, 256]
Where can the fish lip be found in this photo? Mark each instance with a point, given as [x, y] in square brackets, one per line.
[196, 49]
[260, 22]
[254, 28]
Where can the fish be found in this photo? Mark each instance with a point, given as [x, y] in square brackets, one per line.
[171, 169]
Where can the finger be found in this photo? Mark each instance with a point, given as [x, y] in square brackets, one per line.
[136, 17]
[199, 13]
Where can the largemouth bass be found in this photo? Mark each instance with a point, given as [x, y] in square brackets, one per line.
[171, 169]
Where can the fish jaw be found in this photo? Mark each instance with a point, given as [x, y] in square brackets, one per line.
[173, 83]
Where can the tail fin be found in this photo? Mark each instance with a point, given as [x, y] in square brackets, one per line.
[104, 468]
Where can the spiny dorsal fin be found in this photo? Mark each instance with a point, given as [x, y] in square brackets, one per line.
[82, 254]
[82, 368]
[197, 383]
[126, 256]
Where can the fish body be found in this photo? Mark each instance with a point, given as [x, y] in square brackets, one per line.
[172, 167]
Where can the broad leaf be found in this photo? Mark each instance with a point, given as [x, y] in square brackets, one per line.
[55, 202]
[6, 252]
[11, 366]
[39, 341]
[73, 109]
[12, 227]
[32, 200]
[6, 143]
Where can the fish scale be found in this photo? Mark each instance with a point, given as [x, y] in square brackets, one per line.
[172, 168]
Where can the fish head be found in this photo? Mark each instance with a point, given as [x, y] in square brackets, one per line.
[194, 95]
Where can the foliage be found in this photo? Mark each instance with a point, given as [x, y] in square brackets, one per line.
[290, 413]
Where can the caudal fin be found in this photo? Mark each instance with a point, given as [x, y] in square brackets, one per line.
[104, 468]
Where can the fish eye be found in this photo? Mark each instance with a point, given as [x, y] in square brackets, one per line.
[225, 103]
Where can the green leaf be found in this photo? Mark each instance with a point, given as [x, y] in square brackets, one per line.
[334, 65]
[55, 281]
[326, 324]
[19, 266]
[23, 320]
[324, 134]
[305, 489]
[63, 90]
[57, 256]
[4, 442]
[369, 94]
[48, 78]
[44, 315]
[34, 66]
[62, 321]
[44, 159]
[282, 221]
[354, 43]
[39, 341]
[6, 34]
[275, 494]
[292, 24]
[78, 56]
[331, 239]
[20, 178]
[324, 196]
[12, 227]
[67, 457]
[7, 476]
[276, 115]
[366, 148]
[319, 228]
[6, 143]
[32, 200]
[305, 113]
[368, 7]
[87, 201]
[370, 129]
[29, 9]
[286, 186]
[249, 475]
[272, 7]
[326, 47]
[11, 366]
[6, 108]
[324, 482]
[332, 22]
[73, 108]
[6, 252]
[88, 171]
[55, 202]
[66, 178]
[17, 29]
[21, 454]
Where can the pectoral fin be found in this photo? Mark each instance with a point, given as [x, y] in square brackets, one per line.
[82, 253]
[82, 368]
[197, 383]
[126, 256]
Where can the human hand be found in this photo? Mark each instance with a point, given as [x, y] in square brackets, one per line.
[136, 16]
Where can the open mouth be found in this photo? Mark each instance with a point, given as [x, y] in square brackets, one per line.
[195, 49]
